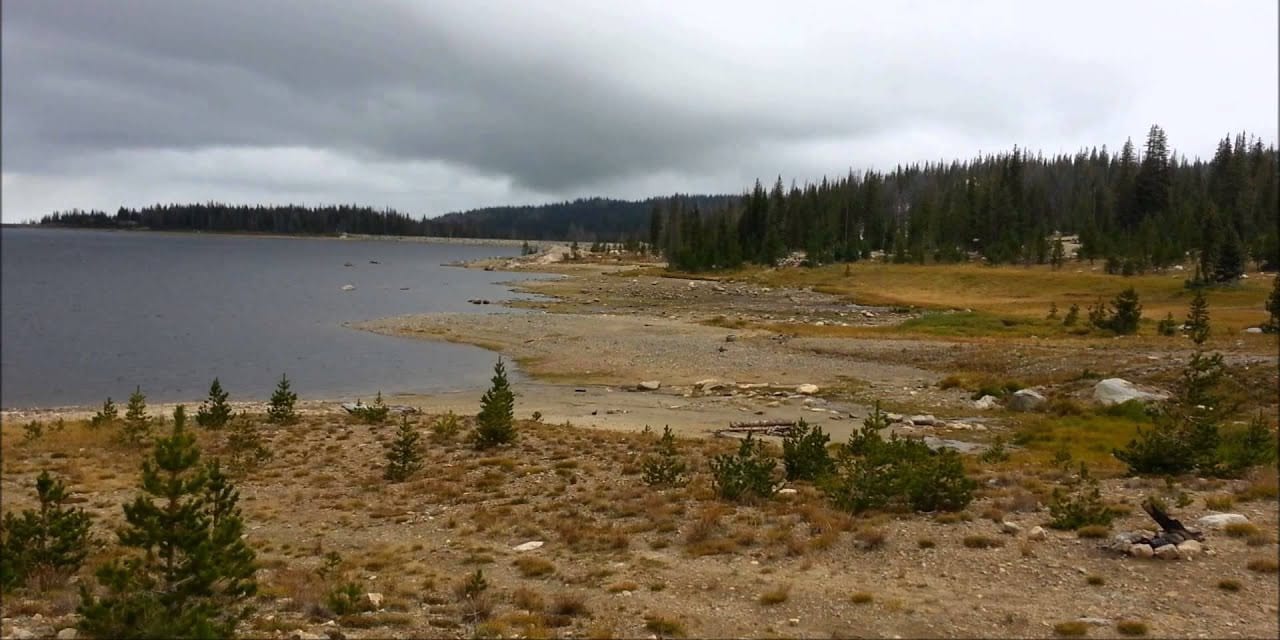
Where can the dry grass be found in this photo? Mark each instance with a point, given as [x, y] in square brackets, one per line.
[534, 567]
[1093, 531]
[775, 596]
[1131, 628]
[1229, 585]
[1071, 629]
[1241, 529]
[1263, 565]
[982, 542]
[861, 597]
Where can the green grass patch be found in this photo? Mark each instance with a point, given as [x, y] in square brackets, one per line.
[974, 324]
[1090, 438]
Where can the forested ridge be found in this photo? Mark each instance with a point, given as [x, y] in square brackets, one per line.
[1137, 209]
[587, 219]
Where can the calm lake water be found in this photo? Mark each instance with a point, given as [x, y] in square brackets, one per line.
[89, 314]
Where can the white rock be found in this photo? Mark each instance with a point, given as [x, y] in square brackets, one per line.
[649, 385]
[1117, 390]
[787, 492]
[924, 420]
[1253, 330]
[807, 389]
[374, 599]
[67, 634]
[18, 633]
[1026, 400]
[1221, 520]
[1011, 528]
[348, 287]
[986, 402]
[1167, 552]
[1037, 533]
[528, 546]
[1142, 550]
[1189, 549]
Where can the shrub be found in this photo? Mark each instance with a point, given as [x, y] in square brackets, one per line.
[775, 596]
[347, 598]
[245, 448]
[534, 567]
[1131, 628]
[192, 569]
[877, 473]
[1168, 326]
[1093, 531]
[1081, 507]
[995, 453]
[1095, 580]
[47, 543]
[404, 456]
[375, 413]
[1263, 565]
[1072, 628]
[926, 543]
[1127, 312]
[1240, 529]
[214, 412]
[107, 415]
[137, 424]
[1242, 449]
[280, 410]
[445, 427]
[1072, 317]
[746, 475]
[861, 597]
[664, 468]
[982, 542]
[497, 410]
[664, 627]
[1229, 585]
[804, 453]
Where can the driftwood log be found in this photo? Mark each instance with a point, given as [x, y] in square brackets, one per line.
[758, 427]
[1171, 530]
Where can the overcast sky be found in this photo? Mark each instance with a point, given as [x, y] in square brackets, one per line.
[435, 106]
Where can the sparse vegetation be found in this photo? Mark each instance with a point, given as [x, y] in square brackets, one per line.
[747, 475]
[281, 409]
[375, 413]
[1080, 507]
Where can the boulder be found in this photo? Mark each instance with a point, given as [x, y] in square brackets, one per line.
[1037, 533]
[1190, 549]
[18, 633]
[1011, 528]
[924, 420]
[374, 599]
[807, 389]
[1118, 390]
[1141, 551]
[1167, 552]
[528, 546]
[67, 634]
[986, 402]
[649, 385]
[1026, 400]
[1221, 520]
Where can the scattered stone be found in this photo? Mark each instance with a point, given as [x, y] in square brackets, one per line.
[374, 599]
[1142, 550]
[1167, 552]
[986, 403]
[807, 389]
[1011, 528]
[1118, 390]
[1026, 400]
[67, 634]
[1037, 533]
[649, 385]
[528, 546]
[924, 420]
[1221, 520]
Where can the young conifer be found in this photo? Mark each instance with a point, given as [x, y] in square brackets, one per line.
[191, 570]
[497, 410]
[281, 411]
[404, 458]
[46, 543]
[107, 415]
[137, 424]
[214, 412]
[1198, 318]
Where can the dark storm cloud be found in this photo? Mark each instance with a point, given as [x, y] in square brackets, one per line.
[437, 105]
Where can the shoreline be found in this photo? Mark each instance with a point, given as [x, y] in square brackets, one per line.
[493, 242]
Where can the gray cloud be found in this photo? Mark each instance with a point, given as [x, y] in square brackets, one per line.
[431, 106]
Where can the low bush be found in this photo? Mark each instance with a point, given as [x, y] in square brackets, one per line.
[804, 453]
[1079, 508]
[746, 475]
[664, 467]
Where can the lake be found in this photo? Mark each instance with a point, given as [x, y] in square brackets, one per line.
[91, 314]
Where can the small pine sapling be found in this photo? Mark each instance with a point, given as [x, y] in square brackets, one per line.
[404, 457]
[137, 424]
[105, 416]
[665, 468]
[214, 412]
[804, 453]
[497, 410]
[45, 544]
[281, 410]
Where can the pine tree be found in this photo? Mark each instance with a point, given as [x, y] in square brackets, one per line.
[245, 448]
[107, 415]
[214, 412]
[403, 455]
[191, 569]
[497, 410]
[45, 543]
[1127, 312]
[137, 424]
[1059, 253]
[664, 468]
[1198, 318]
[1273, 308]
[1230, 261]
[281, 411]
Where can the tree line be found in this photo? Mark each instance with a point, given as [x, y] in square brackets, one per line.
[1136, 209]
[585, 220]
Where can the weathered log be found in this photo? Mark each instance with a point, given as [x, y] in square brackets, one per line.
[762, 423]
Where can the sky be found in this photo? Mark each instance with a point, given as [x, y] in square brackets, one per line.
[435, 106]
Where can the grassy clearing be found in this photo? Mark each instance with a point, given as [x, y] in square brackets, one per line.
[1089, 438]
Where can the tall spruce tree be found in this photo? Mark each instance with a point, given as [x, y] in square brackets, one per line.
[281, 410]
[190, 571]
[214, 412]
[497, 411]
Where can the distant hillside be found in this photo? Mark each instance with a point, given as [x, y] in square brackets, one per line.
[583, 219]
[589, 219]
